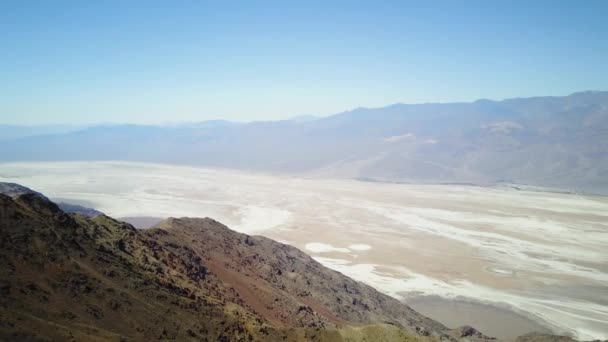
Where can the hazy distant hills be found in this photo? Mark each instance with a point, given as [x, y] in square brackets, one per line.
[547, 141]
[8, 132]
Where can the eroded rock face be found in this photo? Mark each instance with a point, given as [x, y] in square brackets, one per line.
[280, 280]
[68, 276]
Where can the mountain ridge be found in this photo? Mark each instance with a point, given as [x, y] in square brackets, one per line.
[73, 277]
[93, 278]
[554, 142]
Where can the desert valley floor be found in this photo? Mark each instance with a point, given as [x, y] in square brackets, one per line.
[528, 259]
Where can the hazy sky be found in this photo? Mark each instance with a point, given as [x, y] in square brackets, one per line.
[168, 61]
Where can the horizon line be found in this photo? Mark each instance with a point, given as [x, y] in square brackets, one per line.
[294, 117]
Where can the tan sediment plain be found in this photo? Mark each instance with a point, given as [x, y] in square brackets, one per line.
[503, 323]
[539, 254]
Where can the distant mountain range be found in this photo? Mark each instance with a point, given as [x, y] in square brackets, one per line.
[559, 142]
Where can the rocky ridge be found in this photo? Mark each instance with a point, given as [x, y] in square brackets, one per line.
[73, 277]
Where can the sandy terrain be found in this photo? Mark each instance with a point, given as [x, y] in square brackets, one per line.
[540, 255]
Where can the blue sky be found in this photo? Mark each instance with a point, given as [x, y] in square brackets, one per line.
[87, 62]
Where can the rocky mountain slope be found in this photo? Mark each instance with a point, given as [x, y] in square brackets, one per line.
[72, 277]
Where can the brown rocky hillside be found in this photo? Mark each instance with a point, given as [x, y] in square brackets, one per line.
[67, 277]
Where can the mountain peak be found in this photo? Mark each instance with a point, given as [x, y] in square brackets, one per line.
[14, 190]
